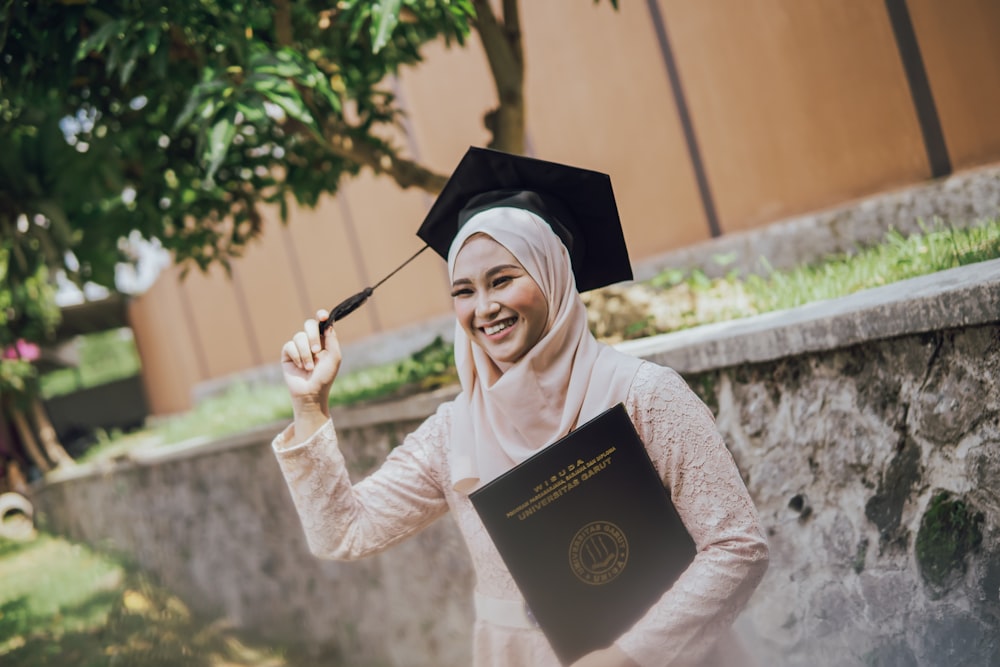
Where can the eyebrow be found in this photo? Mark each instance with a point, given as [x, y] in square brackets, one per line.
[489, 273]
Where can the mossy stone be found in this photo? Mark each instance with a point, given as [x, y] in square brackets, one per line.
[949, 530]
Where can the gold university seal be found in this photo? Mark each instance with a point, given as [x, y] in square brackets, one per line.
[598, 553]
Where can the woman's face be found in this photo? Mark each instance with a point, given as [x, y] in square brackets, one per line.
[497, 303]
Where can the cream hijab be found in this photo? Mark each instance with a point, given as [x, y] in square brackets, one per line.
[507, 413]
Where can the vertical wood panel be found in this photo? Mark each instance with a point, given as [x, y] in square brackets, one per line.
[329, 264]
[267, 286]
[170, 358]
[386, 221]
[797, 105]
[218, 322]
[960, 43]
[597, 96]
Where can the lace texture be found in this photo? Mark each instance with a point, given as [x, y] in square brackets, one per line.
[690, 623]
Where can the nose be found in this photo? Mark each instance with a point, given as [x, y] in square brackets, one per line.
[486, 307]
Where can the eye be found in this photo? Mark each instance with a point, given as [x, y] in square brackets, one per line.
[501, 280]
[460, 291]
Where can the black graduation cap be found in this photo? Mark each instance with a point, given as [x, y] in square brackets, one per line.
[578, 203]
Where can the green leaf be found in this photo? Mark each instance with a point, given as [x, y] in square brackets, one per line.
[284, 63]
[129, 66]
[252, 109]
[362, 13]
[200, 94]
[219, 138]
[289, 99]
[386, 13]
[99, 39]
[150, 40]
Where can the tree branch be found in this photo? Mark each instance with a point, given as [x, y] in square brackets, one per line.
[504, 52]
[339, 139]
[47, 434]
[283, 22]
[406, 173]
[28, 440]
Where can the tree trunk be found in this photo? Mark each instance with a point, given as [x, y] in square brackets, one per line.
[501, 40]
[47, 434]
[16, 479]
[28, 438]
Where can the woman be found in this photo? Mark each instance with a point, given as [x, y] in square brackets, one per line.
[530, 371]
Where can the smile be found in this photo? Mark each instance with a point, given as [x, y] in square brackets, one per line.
[499, 326]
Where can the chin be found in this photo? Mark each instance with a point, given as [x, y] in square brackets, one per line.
[503, 356]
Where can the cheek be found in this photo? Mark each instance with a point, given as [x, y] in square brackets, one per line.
[463, 312]
[534, 305]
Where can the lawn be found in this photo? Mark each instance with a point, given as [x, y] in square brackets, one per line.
[64, 604]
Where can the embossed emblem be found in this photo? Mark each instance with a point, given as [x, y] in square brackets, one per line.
[598, 553]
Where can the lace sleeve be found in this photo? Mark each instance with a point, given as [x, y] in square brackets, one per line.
[683, 627]
[344, 521]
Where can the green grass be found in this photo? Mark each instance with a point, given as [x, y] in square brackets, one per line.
[244, 406]
[40, 596]
[64, 604]
[104, 357]
[693, 299]
[896, 258]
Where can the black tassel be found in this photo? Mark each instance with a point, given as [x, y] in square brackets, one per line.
[352, 303]
[345, 308]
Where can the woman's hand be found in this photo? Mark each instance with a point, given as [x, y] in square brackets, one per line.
[310, 366]
[611, 656]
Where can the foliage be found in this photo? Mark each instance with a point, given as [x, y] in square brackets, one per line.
[428, 368]
[174, 121]
[178, 118]
[62, 603]
[27, 311]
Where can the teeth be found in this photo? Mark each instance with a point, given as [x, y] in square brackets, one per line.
[497, 328]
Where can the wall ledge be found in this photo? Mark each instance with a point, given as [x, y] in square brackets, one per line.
[963, 296]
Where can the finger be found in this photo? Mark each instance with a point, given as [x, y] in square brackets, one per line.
[330, 335]
[311, 329]
[301, 341]
[290, 353]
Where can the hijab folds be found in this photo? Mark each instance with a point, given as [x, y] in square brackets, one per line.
[507, 413]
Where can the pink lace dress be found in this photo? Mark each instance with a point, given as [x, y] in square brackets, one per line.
[689, 625]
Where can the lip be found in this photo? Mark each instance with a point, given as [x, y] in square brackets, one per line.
[514, 320]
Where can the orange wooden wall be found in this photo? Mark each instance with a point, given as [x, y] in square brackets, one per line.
[778, 107]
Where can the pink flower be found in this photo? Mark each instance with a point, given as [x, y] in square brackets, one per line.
[22, 349]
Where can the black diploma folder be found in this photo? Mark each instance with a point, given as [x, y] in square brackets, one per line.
[588, 532]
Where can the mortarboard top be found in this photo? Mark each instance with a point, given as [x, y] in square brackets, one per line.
[578, 204]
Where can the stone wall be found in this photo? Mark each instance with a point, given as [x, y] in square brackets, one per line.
[867, 429]
[875, 468]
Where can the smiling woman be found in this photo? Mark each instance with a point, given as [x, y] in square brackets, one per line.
[497, 303]
[521, 237]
